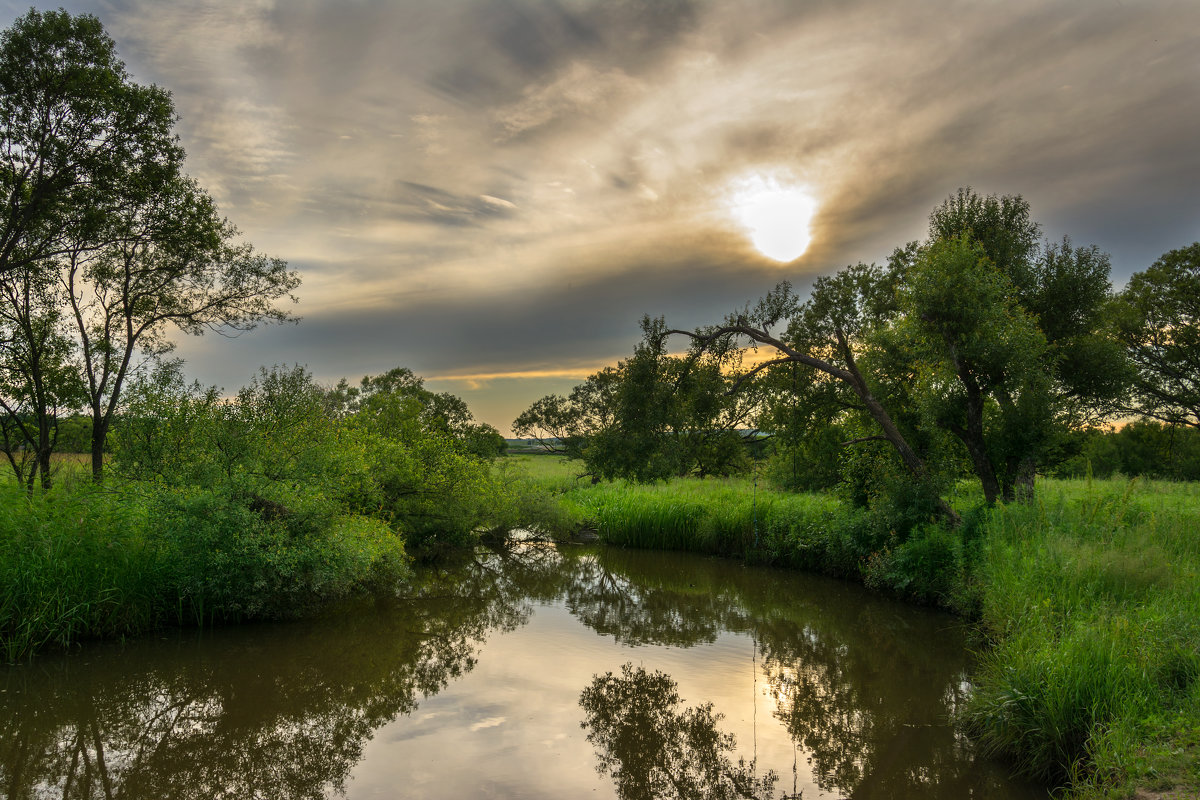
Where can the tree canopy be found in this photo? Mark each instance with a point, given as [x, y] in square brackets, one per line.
[1158, 319]
[105, 245]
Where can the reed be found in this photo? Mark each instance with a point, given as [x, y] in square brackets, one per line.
[1092, 606]
[73, 564]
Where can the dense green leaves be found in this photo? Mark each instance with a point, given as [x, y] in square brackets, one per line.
[78, 139]
[653, 416]
[1158, 320]
[285, 450]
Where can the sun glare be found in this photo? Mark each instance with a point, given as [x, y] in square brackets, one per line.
[776, 215]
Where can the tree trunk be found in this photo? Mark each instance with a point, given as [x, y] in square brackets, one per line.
[43, 454]
[99, 434]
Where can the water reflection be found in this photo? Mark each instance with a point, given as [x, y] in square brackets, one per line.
[863, 687]
[654, 750]
[272, 711]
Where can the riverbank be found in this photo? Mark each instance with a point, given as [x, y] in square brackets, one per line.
[1086, 603]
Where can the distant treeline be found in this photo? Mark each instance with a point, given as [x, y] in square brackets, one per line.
[1143, 448]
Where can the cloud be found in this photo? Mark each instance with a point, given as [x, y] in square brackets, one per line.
[503, 187]
[580, 94]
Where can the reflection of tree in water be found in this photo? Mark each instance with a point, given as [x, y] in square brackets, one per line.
[865, 687]
[650, 605]
[272, 711]
[653, 750]
[283, 711]
[871, 704]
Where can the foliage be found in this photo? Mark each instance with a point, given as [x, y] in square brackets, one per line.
[282, 444]
[978, 358]
[78, 139]
[229, 559]
[650, 417]
[267, 504]
[173, 264]
[978, 346]
[441, 412]
[1144, 448]
[39, 381]
[106, 244]
[1157, 317]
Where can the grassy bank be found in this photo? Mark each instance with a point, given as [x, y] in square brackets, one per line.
[84, 562]
[1087, 601]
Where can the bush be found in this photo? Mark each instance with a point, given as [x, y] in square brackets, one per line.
[928, 568]
[236, 558]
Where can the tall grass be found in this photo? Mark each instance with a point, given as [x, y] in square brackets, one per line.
[726, 516]
[1092, 605]
[73, 563]
[84, 562]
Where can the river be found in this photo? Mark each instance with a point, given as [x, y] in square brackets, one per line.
[532, 672]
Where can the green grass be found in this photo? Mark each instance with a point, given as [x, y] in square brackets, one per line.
[1091, 601]
[71, 565]
[85, 562]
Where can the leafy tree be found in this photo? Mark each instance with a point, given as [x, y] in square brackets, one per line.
[1143, 447]
[39, 379]
[564, 425]
[828, 333]
[439, 411]
[175, 264]
[78, 139]
[979, 360]
[90, 169]
[650, 417]
[1158, 320]
[979, 332]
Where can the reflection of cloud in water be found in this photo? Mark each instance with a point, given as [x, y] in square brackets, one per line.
[490, 722]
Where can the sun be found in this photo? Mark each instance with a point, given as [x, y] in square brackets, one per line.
[776, 214]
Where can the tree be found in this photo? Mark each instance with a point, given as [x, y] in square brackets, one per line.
[979, 331]
[39, 379]
[564, 425]
[90, 168]
[979, 361]
[438, 411]
[172, 263]
[77, 137]
[828, 333]
[650, 417]
[1158, 320]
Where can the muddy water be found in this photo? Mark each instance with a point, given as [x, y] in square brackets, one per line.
[532, 673]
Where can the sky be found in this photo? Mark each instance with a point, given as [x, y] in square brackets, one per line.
[494, 192]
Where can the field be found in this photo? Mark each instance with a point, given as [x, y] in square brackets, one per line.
[1086, 602]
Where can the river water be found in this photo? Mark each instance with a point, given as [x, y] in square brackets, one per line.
[533, 672]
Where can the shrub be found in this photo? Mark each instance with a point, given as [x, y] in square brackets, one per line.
[234, 557]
